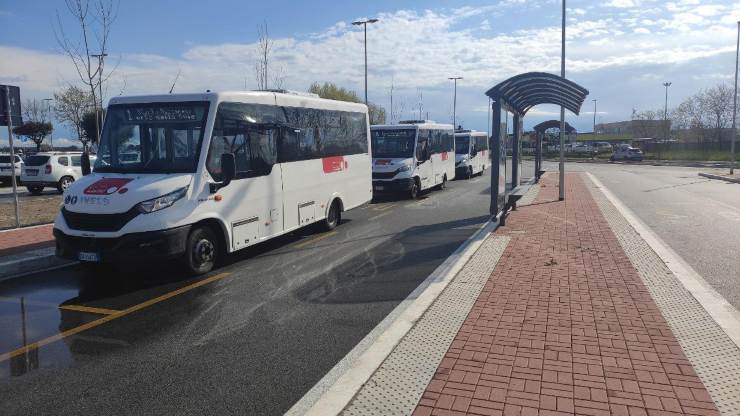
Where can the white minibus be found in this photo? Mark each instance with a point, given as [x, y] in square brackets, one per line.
[471, 153]
[412, 156]
[198, 175]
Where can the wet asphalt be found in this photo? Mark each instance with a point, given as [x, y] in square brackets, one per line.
[253, 341]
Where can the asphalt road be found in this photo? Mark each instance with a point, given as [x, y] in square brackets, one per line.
[252, 341]
[698, 218]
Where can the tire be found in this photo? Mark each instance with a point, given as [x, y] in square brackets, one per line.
[64, 183]
[35, 189]
[201, 250]
[469, 174]
[414, 191]
[443, 185]
[333, 217]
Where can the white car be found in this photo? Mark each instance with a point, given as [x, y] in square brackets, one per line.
[6, 170]
[55, 169]
[626, 152]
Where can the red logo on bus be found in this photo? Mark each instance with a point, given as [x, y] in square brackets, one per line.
[444, 156]
[106, 186]
[334, 164]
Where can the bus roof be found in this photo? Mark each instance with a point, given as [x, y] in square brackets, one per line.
[473, 133]
[262, 97]
[426, 125]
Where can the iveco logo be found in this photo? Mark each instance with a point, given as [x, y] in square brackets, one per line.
[70, 199]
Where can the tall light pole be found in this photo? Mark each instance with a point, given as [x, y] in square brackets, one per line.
[48, 108]
[562, 113]
[454, 104]
[101, 62]
[734, 107]
[594, 118]
[665, 115]
[365, 23]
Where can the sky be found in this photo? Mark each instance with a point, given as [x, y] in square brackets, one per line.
[622, 51]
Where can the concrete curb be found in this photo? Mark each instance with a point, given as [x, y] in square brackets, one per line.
[17, 265]
[719, 177]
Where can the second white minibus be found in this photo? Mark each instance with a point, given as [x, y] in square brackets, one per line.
[412, 156]
[471, 153]
[198, 175]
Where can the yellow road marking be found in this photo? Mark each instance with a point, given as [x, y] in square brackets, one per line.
[315, 239]
[379, 216]
[81, 308]
[384, 207]
[108, 318]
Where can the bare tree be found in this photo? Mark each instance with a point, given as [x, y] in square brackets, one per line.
[716, 104]
[264, 49]
[94, 19]
[70, 107]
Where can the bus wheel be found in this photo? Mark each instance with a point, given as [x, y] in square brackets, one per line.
[470, 172]
[201, 250]
[414, 191]
[333, 217]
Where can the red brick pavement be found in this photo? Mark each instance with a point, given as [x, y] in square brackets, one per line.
[24, 239]
[564, 326]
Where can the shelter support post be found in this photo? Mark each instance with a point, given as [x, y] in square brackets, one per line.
[515, 151]
[495, 146]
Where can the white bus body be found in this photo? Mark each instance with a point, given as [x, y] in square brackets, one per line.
[472, 156]
[412, 156]
[298, 160]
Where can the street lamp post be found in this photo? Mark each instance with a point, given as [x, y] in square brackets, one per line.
[594, 118]
[101, 62]
[734, 107]
[665, 115]
[48, 107]
[454, 103]
[364, 23]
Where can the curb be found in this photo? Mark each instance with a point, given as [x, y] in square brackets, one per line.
[34, 261]
[719, 177]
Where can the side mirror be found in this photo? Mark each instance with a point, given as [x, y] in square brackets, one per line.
[228, 172]
[228, 168]
[85, 162]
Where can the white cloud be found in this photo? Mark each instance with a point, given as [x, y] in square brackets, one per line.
[621, 3]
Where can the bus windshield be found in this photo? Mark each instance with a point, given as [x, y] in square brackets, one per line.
[152, 138]
[393, 143]
[462, 145]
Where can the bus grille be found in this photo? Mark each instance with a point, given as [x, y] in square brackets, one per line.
[384, 175]
[98, 222]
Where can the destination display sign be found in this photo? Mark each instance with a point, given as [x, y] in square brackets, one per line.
[168, 113]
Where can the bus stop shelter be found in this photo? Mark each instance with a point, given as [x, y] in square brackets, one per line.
[518, 95]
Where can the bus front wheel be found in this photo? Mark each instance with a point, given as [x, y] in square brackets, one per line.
[414, 191]
[202, 250]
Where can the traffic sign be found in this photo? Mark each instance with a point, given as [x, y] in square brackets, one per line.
[15, 105]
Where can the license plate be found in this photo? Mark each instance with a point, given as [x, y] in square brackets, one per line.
[32, 172]
[379, 188]
[85, 256]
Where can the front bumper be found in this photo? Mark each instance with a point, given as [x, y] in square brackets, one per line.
[395, 185]
[144, 246]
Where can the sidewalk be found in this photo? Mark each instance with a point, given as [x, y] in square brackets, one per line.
[26, 250]
[564, 311]
[722, 175]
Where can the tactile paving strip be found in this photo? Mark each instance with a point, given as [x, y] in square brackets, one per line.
[530, 196]
[714, 356]
[397, 385]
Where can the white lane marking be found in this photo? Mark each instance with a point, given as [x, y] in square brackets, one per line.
[723, 313]
[337, 388]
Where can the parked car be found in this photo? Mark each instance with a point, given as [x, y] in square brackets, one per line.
[582, 149]
[627, 153]
[6, 170]
[56, 169]
[603, 147]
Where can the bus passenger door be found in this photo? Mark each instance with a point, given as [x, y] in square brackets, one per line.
[424, 160]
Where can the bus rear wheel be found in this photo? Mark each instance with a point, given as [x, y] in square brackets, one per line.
[201, 250]
[414, 191]
[333, 217]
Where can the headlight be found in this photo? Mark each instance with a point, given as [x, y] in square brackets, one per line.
[404, 168]
[161, 202]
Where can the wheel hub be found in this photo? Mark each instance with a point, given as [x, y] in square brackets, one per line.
[204, 251]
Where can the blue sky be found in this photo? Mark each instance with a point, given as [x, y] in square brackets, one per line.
[621, 50]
